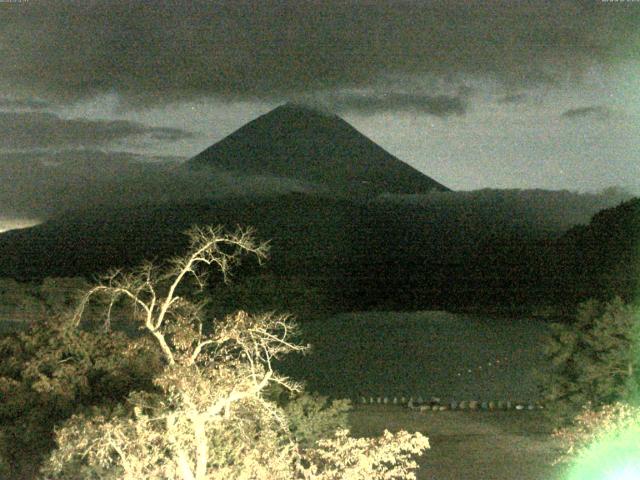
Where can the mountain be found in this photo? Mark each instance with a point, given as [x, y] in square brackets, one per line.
[305, 144]
[304, 231]
[394, 249]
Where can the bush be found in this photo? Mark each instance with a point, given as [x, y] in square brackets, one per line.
[388, 457]
[54, 369]
[593, 426]
[594, 360]
[313, 417]
[602, 443]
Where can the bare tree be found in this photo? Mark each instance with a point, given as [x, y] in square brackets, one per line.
[211, 417]
[154, 293]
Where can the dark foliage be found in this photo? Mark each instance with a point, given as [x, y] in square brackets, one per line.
[602, 259]
[594, 359]
[53, 370]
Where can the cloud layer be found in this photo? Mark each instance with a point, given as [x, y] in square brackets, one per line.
[155, 52]
[29, 130]
[41, 184]
[26, 103]
[595, 111]
[438, 105]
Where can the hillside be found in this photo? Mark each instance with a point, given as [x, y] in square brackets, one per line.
[602, 258]
[458, 250]
[304, 144]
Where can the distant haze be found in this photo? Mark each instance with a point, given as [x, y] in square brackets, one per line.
[15, 223]
[291, 149]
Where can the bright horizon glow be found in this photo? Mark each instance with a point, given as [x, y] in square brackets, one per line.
[616, 457]
[628, 472]
[7, 224]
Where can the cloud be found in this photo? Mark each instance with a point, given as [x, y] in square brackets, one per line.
[516, 98]
[595, 111]
[439, 105]
[29, 103]
[158, 52]
[27, 130]
[41, 184]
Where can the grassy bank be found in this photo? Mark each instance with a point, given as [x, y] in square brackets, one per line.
[470, 445]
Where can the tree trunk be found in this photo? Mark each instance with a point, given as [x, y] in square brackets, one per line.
[202, 447]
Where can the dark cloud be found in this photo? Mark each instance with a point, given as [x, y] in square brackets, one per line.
[516, 98]
[25, 130]
[40, 184]
[154, 52]
[30, 103]
[592, 111]
[37, 184]
[440, 105]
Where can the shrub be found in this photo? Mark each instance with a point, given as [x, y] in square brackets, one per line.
[313, 417]
[602, 443]
[593, 426]
[54, 369]
[594, 360]
[388, 457]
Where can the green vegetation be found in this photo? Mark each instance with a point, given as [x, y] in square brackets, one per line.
[54, 369]
[603, 444]
[593, 392]
[450, 250]
[594, 359]
[66, 386]
[312, 417]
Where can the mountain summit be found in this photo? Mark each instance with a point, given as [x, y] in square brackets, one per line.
[309, 145]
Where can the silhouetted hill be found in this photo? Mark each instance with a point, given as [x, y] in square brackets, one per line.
[301, 143]
[602, 259]
[93, 240]
[45, 184]
[445, 250]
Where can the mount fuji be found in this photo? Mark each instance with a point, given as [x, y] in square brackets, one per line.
[308, 145]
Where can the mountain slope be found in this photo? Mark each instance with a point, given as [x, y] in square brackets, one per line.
[301, 143]
[602, 259]
[454, 249]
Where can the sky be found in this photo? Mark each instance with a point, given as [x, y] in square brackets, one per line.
[474, 94]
